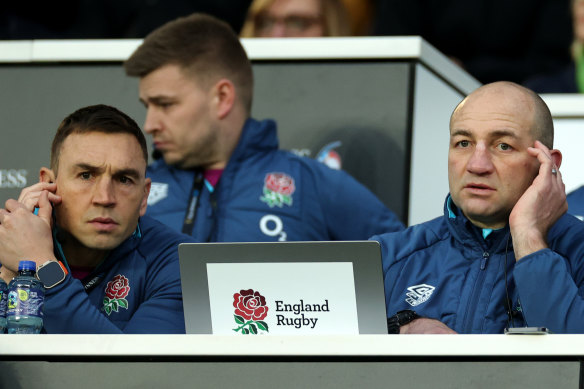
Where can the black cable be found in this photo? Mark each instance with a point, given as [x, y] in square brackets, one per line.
[510, 320]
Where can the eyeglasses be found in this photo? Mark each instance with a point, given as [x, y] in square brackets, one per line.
[293, 24]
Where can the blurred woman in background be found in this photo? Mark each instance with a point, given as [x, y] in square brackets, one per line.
[296, 18]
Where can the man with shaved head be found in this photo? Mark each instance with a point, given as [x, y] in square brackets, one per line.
[505, 253]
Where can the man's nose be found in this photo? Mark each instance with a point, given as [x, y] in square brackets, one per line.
[278, 31]
[104, 193]
[151, 123]
[480, 161]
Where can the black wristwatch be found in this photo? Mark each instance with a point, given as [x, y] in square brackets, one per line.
[400, 319]
[51, 273]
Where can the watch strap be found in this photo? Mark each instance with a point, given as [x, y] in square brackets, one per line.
[400, 319]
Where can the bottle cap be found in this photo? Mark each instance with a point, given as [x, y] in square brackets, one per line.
[27, 265]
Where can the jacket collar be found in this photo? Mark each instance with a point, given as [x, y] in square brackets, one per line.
[472, 236]
[256, 136]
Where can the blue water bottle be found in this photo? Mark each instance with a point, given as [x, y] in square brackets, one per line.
[3, 305]
[26, 296]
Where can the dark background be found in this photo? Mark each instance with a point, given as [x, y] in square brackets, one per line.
[491, 39]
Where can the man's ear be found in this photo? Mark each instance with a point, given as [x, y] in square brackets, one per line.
[47, 175]
[556, 157]
[223, 97]
[144, 203]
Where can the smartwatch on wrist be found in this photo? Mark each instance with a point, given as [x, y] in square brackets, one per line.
[51, 273]
[400, 319]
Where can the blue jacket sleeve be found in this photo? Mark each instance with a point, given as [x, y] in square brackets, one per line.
[550, 282]
[352, 212]
[157, 303]
[548, 293]
[69, 310]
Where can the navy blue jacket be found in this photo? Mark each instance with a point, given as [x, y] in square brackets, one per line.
[266, 194]
[444, 269]
[139, 289]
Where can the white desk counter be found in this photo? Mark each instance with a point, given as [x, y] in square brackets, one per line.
[413, 361]
[424, 346]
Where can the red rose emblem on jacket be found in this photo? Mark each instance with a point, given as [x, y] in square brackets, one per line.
[117, 288]
[250, 305]
[280, 183]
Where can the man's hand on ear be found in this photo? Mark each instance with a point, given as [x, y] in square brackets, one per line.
[24, 235]
[542, 204]
[29, 197]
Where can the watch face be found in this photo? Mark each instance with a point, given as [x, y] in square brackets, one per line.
[51, 274]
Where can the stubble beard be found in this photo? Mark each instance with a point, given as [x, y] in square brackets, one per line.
[203, 153]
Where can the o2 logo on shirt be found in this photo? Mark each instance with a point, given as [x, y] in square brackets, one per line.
[272, 225]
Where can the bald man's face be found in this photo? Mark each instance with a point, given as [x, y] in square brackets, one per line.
[488, 164]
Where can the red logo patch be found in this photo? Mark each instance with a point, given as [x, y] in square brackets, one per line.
[115, 293]
[278, 189]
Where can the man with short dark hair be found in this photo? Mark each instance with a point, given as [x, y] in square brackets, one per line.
[117, 271]
[505, 253]
[222, 177]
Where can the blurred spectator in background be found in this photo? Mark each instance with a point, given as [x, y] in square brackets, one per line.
[570, 78]
[296, 18]
[492, 39]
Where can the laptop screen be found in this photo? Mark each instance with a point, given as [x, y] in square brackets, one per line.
[283, 288]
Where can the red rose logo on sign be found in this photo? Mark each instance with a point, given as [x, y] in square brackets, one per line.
[278, 189]
[250, 310]
[115, 293]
